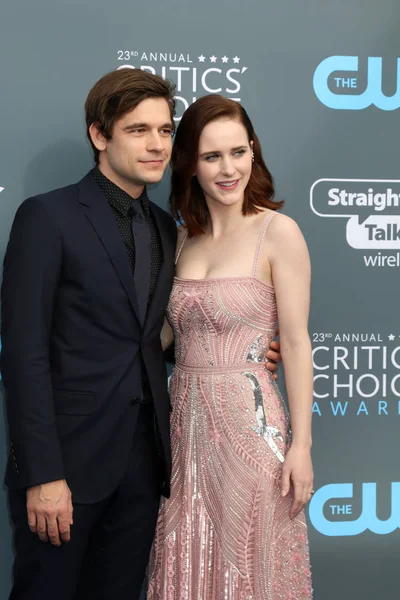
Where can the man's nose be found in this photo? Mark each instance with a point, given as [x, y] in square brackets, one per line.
[154, 142]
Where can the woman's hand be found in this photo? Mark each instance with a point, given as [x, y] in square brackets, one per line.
[298, 472]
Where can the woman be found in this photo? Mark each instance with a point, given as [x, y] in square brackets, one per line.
[233, 528]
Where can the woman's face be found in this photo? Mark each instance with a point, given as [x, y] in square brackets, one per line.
[224, 165]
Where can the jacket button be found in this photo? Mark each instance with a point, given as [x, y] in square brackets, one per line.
[136, 400]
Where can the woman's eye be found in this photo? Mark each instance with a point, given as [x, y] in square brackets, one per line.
[211, 157]
[240, 152]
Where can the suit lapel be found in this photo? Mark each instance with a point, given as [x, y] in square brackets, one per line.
[100, 215]
[165, 276]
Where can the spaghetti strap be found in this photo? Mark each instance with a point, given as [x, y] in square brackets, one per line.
[264, 228]
[180, 246]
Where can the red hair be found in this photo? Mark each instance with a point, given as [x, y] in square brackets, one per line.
[187, 199]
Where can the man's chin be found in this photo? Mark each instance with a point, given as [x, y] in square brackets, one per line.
[148, 178]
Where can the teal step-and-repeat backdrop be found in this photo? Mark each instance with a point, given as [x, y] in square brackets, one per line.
[321, 82]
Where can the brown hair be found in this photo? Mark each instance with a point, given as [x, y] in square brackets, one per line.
[119, 92]
[187, 199]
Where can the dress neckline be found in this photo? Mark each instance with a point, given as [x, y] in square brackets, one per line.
[219, 279]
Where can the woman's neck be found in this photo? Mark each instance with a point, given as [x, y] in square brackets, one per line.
[222, 219]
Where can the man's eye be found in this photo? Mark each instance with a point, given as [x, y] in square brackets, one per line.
[166, 132]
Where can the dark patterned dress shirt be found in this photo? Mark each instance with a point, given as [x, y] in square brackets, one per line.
[120, 203]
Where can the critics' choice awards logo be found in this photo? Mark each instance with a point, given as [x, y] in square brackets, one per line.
[194, 76]
[371, 208]
[356, 374]
[347, 83]
[338, 509]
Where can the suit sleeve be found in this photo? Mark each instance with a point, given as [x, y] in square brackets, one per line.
[31, 273]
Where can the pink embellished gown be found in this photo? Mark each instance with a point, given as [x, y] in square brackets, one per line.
[225, 533]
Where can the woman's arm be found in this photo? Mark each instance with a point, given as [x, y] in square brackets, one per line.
[167, 335]
[291, 273]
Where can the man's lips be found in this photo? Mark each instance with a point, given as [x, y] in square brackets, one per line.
[152, 162]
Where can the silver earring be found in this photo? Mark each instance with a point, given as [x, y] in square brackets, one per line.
[252, 156]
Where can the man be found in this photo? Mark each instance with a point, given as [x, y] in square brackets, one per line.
[87, 275]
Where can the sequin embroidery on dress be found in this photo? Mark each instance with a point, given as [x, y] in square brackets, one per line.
[225, 533]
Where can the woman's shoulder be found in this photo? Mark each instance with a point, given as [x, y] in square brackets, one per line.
[283, 235]
[182, 235]
[182, 232]
[280, 224]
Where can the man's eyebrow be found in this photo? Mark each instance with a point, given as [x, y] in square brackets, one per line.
[143, 125]
[135, 126]
[217, 151]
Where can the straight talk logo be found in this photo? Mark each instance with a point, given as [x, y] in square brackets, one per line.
[382, 260]
[371, 208]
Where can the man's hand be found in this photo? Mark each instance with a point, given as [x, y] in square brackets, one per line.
[273, 356]
[49, 509]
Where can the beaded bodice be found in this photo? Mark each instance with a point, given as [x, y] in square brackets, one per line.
[223, 322]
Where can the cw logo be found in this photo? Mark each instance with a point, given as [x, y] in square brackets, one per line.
[345, 101]
[368, 519]
[1, 189]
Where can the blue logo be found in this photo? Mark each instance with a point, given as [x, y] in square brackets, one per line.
[341, 100]
[334, 493]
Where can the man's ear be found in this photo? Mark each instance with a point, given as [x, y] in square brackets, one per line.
[97, 137]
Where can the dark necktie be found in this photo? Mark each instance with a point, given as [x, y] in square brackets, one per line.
[142, 237]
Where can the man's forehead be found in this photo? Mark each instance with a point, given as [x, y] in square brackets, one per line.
[149, 110]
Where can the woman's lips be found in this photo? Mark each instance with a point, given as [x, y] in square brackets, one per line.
[228, 185]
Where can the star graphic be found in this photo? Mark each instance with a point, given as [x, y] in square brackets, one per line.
[202, 58]
[236, 59]
[225, 59]
[213, 58]
[391, 337]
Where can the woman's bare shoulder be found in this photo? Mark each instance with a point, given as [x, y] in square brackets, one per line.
[182, 231]
[283, 225]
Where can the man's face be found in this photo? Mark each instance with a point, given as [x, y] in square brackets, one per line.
[140, 147]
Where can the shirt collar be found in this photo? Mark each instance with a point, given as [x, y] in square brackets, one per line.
[117, 197]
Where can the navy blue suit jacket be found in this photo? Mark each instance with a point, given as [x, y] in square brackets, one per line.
[73, 342]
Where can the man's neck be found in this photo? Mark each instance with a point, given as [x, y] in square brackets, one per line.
[134, 190]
